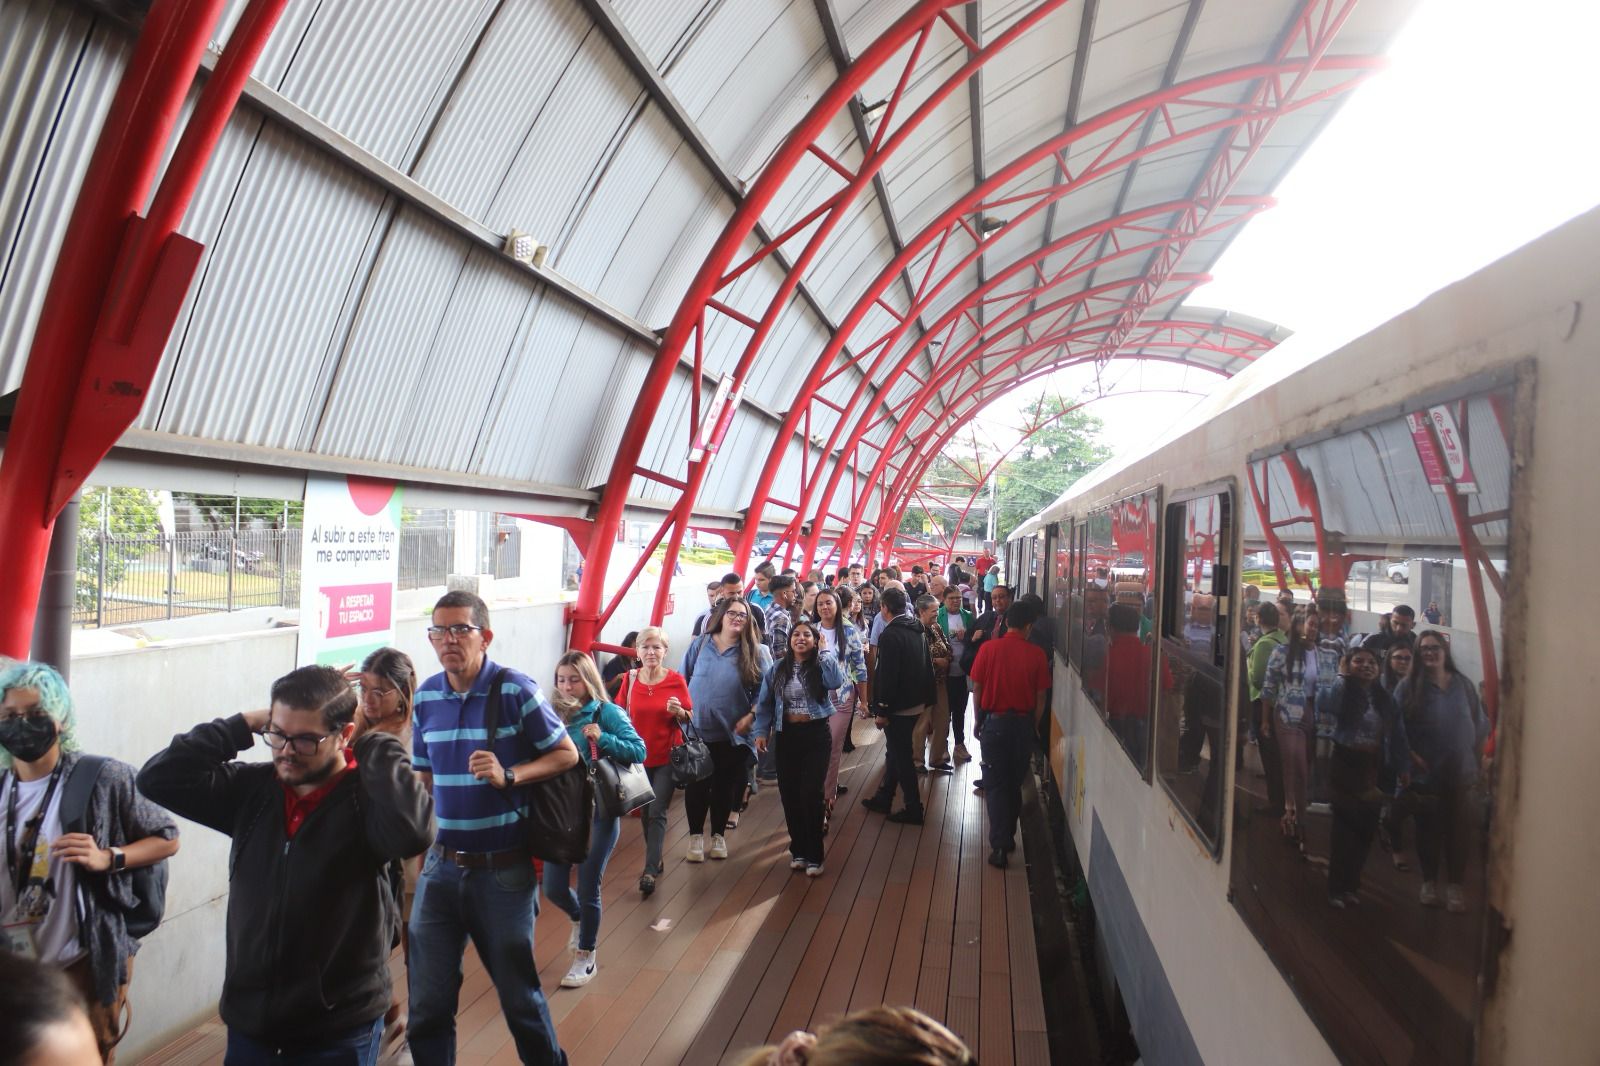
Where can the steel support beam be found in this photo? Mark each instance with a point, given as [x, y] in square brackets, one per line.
[106, 317]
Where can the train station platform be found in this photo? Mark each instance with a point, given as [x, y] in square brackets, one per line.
[729, 955]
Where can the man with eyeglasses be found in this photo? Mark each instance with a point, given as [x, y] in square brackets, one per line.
[312, 910]
[478, 881]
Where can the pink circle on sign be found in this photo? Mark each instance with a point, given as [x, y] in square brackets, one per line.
[368, 495]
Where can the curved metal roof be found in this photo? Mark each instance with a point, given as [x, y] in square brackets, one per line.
[875, 215]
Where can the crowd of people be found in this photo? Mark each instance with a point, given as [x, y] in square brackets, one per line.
[1375, 730]
[397, 811]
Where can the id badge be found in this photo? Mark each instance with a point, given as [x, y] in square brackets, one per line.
[19, 939]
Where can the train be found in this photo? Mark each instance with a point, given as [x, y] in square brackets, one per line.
[1445, 461]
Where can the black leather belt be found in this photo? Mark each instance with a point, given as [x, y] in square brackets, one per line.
[487, 860]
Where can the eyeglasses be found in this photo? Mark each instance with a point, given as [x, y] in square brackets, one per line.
[34, 713]
[300, 744]
[459, 631]
[364, 691]
[1431, 649]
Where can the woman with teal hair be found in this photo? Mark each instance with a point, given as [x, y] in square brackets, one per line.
[65, 891]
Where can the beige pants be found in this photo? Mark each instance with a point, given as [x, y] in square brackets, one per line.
[933, 730]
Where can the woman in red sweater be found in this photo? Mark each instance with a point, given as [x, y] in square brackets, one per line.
[657, 700]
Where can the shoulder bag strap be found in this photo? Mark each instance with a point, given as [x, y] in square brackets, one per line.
[79, 789]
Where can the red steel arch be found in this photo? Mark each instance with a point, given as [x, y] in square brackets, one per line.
[1272, 92]
[1124, 122]
[723, 266]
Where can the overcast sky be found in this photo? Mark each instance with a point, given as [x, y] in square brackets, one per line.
[1479, 137]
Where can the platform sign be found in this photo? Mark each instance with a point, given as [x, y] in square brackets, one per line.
[1440, 447]
[349, 566]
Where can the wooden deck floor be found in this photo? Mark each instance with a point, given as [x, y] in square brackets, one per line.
[729, 955]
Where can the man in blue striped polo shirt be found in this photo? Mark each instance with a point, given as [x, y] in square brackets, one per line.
[478, 879]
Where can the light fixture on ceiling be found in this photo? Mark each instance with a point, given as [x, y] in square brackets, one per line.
[989, 225]
[525, 248]
[873, 112]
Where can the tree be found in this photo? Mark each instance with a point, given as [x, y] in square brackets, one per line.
[132, 523]
[1053, 459]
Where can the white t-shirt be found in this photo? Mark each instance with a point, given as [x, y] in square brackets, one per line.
[830, 640]
[47, 916]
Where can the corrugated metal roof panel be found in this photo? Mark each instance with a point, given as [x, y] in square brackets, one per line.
[662, 26]
[568, 148]
[296, 229]
[66, 69]
[378, 73]
[498, 107]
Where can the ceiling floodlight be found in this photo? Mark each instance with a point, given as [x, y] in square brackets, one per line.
[872, 112]
[988, 225]
[525, 248]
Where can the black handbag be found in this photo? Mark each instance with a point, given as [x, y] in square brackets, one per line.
[560, 808]
[691, 760]
[618, 790]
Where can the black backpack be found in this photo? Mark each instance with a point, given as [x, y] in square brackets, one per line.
[149, 883]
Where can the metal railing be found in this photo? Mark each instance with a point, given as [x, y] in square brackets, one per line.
[125, 580]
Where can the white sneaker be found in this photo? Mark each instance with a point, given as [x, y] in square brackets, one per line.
[1429, 896]
[796, 863]
[572, 941]
[1455, 900]
[719, 846]
[697, 848]
[814, 870]
[581, 972]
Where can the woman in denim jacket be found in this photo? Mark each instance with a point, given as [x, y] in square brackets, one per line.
[795, 701]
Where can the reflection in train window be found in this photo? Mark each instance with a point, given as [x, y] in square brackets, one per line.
[1117, 659]
[1080, 535]
[1060, 584]
[1363, 794]
[1192, 707]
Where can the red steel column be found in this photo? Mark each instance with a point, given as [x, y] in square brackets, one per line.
[115, 185]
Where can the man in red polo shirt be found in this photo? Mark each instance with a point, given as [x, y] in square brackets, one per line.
[1009, 678]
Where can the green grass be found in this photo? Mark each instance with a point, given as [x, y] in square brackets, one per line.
[699, 556]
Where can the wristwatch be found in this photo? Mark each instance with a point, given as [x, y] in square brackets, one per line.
[511, 777]
[119, 860]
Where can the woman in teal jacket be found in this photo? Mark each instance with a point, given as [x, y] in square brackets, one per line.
[591, 721]
[958, 624]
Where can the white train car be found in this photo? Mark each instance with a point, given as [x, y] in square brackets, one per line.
[1449, 461]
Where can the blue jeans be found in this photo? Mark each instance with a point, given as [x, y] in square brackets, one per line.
[1008, 741]
[585, 909]
[496, 908]
[357, 1047]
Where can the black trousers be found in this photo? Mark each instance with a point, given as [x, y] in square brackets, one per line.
[720, 792]
[802, 768]
[898, 769]
[1355, 818]
[956, 689]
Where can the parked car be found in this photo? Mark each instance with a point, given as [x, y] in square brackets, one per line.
[1399, 573]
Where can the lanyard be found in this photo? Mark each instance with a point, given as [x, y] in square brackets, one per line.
[21, 859]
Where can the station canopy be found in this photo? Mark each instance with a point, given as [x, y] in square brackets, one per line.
[731, 264]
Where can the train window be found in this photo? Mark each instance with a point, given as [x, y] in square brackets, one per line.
[1364, 793]
[1038, 580]
[1061, 584]
[1117, 652]
[1192, 704]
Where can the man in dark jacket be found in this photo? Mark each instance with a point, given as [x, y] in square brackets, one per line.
[902, 690]
[313, 910]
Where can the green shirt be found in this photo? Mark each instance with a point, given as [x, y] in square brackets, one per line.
[1260, 652]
